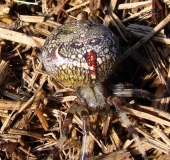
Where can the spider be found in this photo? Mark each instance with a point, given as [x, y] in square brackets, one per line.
[82, 54]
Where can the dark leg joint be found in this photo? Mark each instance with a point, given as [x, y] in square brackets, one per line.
[67, 122]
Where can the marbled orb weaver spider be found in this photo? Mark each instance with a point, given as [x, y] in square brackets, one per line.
[83, 54]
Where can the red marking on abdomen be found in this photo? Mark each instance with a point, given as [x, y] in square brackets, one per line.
[91, 58]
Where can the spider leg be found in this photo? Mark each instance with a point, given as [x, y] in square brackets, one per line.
[127, 90]
[133, 93]
[69, 118]
[118, 105]
[84, 114]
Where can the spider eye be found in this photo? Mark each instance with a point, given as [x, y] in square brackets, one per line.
[95, 41]
[76, 45]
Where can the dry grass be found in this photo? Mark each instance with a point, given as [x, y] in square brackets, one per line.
[33, 105]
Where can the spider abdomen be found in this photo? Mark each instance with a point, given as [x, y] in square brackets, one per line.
[80, 53]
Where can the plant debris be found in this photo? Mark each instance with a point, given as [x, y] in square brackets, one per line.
[33, 104]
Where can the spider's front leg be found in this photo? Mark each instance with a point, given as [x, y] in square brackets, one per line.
[79, 109]
[127, 90]
[82, 112]
[86, 95]
[112, 100]
[90, 96]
